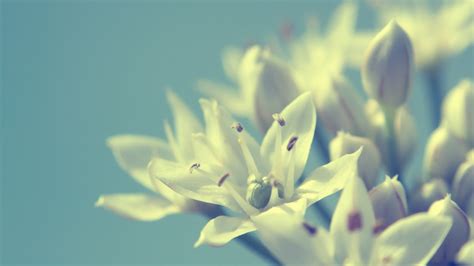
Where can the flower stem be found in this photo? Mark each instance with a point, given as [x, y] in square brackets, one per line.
[433, 77]
[393, 165]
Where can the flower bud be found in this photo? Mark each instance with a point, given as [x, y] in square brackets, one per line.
[458, 234]
[369, 161]
[427, 193]
[269, 80]
[388, 68]
[340, 108]
[405, 132]
[463, 184]
[458, 111]
[389, 202]
[443, 154]
[259, 193]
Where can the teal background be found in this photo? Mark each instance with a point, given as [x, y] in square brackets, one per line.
[76, 72]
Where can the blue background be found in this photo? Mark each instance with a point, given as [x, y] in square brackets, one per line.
[74, 73]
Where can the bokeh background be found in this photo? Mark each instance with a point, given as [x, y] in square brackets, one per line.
[76, 72]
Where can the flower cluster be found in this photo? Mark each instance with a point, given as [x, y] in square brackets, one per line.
[248, 188]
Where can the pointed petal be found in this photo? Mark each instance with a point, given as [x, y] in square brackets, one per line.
[228, 96]
[134, 152]
[222, 229]
[300, 122]
[293, 241]
[199, 184]
[412, 240]
[137, 206]
[185, 123]
[352, 223]
[329, 178]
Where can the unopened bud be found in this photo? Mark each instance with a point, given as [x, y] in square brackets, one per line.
[458, 234]
[463, 184]
[405, 133]
[271, 82]
[340, 108]
[427, 193]
[458, 111]
[389, 202]
[443, 154]
[388, 67]
[369, 161]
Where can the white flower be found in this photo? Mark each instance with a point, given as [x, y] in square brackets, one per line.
[236, 172]
[134, 152]
[351, 240]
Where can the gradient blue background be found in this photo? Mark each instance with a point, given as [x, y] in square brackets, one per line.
[74, 73]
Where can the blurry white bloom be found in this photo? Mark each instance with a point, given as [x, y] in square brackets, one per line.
[265, 85]
[463, 185]
[429, 192]
[369, 163]
[466, 254]
[388, 68]
[458, 110]
[389, 202]
[134, 152]
[436, 32]
[405, 133]
[459, 233]
[411, 240]
[444, 153]
[340, 108]
[236, 172]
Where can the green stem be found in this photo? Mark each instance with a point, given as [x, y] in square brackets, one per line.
[393, 166]
[247, 240]
[433, 77]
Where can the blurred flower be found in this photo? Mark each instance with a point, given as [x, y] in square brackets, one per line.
[134, 152]
[388, 68]
[443, 154]
[411, 240]
[437, 30]
[389, 202]
[341, 108]
[369, 163]
[236, 172]
[463, 185]
[265, 85]
[458, 111]
[466, 254]
[429, 192]
[459, 233]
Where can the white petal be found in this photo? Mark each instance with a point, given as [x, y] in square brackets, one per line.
[229, 97]
[466, 255]
[330, 178]
[300, 122]
[412, 240]
[352, 223]
[292, 240]
[185, 123]
[140, 207]
[222, 229]
[199, 184]
[134, 152]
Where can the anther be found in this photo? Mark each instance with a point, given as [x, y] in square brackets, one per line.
[222, 179]
[310, 229]
[354, 221]
[277, 117]
[291, 143]
[237, 126]
[194, 166]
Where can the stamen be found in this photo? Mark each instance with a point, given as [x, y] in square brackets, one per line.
[277, 117]
[310, 229]
[194, 166]
[222, 179]
[378, 227]
[237, 126]
[291, 143]
[354, 221]
[249, 160]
